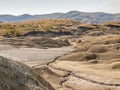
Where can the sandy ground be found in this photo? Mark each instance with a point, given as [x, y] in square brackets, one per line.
[32, 56]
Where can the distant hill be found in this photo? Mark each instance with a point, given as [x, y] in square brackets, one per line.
[94, 18]
[12, 18]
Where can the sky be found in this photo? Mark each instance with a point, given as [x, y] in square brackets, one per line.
[18, 7]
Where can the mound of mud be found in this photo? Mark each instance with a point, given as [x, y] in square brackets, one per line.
[17, 76]
[47, 34]
[80, 56]
[98, 49]
[96, 33]
[46, 42]
[115, 65]
[35, 42]
[103, 49]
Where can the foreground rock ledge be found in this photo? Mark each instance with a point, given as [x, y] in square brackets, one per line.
[17, 76]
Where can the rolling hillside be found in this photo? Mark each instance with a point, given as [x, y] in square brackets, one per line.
[95, 18]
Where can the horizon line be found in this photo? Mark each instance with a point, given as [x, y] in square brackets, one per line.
[58, 12]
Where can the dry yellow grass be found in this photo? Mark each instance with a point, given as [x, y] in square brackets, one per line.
[37, 25]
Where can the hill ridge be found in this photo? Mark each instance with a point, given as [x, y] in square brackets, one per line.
[86, 17]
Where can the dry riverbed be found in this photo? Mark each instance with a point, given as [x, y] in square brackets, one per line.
[33, 56]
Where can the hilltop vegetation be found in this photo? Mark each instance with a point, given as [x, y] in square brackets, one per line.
[54, 25]
[18, 28]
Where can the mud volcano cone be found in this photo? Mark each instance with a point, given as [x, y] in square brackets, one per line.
[17, 76]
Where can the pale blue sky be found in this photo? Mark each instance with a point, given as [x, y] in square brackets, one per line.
[17, 7]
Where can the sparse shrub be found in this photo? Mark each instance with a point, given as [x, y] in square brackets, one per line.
[47, 28]
[7, 33]
[14, 32]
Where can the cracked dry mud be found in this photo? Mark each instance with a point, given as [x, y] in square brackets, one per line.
[80, 80]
